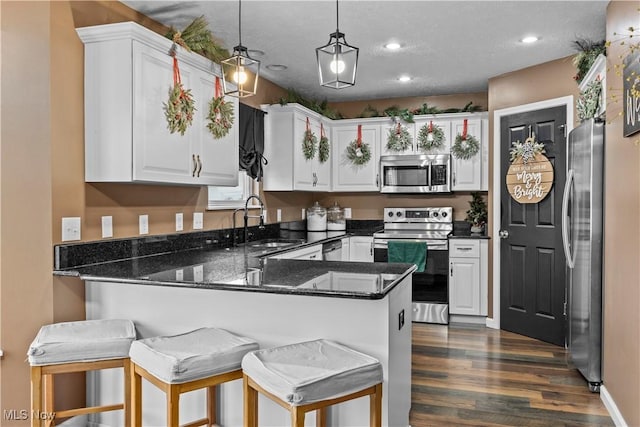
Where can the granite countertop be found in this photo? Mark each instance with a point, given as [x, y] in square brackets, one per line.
[249, 268]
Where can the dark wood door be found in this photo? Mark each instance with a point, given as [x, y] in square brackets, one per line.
[532, 276]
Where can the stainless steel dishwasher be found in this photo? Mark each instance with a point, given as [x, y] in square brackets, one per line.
[332, 251]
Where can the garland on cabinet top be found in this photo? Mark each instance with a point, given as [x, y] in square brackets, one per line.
[465, 146]
[180, 107]
[406, 114]
[198, 38]
[399, 138]
[358, 151]
[588, 51]
[220, 117]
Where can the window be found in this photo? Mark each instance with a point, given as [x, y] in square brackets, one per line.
[234, 197]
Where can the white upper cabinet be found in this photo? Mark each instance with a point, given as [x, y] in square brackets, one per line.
[348, 176]
[128, 75]
[288, 168]
[471, 174]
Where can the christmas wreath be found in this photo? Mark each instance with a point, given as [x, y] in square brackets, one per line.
[399, 138]
[323, 146]
[527, 149]
[220, 117]
[430, 137]
[358, 152]
[309, 143]
[180, 107]
[465, 146]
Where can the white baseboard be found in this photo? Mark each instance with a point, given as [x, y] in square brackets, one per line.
[493, 323]
[616, 416]
[474, 320]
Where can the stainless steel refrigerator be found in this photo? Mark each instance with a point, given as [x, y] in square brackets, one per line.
[582, 237]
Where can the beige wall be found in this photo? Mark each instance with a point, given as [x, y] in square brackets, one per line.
[25, 166]
[622, 234]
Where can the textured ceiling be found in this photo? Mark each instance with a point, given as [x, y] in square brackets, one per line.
[448, 47]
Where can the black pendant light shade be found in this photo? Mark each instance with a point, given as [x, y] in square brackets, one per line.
[337, 61]
[240, 72]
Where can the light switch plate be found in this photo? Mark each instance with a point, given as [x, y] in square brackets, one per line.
[71, 228]
[143, 224]
[198, 220]
[304, 213]
[279, 215]
[179, 221]
[107, 227]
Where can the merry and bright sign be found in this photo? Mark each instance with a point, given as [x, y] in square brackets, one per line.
[530, 182]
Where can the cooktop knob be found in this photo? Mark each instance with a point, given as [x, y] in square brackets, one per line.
[435, 214]
[444, 214]
[390, 214]
[399, 214]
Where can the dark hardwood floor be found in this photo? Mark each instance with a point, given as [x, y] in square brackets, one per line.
[476, 376]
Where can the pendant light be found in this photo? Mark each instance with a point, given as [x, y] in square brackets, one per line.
[240, 71]
[337, 60]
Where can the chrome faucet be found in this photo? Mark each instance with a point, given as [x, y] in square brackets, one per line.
[246, 218]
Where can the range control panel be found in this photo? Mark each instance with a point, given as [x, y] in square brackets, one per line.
[404, 215]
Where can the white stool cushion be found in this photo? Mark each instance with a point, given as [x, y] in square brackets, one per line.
[82, 341]
[191, 356]
[311, 371]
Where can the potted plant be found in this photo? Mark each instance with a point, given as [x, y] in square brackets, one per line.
[477, 213]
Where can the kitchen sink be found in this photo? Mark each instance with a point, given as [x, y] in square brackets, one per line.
[275, 243]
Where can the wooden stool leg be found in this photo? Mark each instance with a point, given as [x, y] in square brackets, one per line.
[250, 403]
[173, 406]
[321, 417]
[36, 394]
[48, 399]
[297, 417]
[127, 391]
[211, 406]
[375, 407]
[136, 397]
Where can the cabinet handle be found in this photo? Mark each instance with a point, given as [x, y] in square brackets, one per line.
[451, 269]
[463, 249]
[195, 165]
[199, 165]
[371, 249]
[454, 178]
[377, 180]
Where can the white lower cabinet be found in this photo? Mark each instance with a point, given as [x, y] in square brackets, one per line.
[468, 265]
[345, 249]
[310, 252]
[361, 248]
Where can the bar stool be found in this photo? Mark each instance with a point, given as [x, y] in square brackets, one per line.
[80, 346]
[310, 376]
[203, 358]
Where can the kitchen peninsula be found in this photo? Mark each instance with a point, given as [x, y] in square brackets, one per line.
[274, 301]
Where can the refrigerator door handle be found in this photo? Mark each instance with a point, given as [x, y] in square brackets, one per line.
[565, 219]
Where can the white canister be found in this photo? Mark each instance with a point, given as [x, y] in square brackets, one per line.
[316, 218]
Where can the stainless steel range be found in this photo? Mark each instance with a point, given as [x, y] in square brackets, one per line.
[430, 293]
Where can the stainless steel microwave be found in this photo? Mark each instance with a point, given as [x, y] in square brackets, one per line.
[416, 173]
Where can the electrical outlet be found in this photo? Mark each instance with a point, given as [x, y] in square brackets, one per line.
[347, 213]
[71, 228]
[143, 224]
[198, 220]
[107, 227]
[179, 221]
[198, 273]
[265, 217]
[279, 215]
[304, 213]
[179, 275]
[401, 319]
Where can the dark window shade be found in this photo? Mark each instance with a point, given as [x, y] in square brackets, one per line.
[251, 134]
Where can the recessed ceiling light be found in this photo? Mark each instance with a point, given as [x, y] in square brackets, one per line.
[404, 79]
[276, 67]
[392, 46]
[255, 52]
[530, 39]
